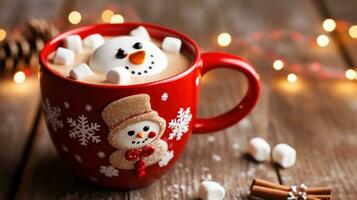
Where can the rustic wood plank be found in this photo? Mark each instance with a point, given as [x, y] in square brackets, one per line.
[316, 118]
[19, 103]
[341, 10]
[18, 108]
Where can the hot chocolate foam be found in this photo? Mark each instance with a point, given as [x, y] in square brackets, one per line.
[164, 65]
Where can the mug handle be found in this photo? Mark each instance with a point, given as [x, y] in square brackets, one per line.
[214, 60]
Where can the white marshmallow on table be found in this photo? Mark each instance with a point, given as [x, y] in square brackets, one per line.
[93, 41]
[210, 190]
[284, 155]
[118, 75]
[80, 72]
[259, 149]
[141, 32]
[74, 43]
[63, 56]
[171, 44]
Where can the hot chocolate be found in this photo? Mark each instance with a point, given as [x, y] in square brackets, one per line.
[122, 60]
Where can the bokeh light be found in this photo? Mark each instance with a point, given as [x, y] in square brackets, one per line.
[329, 25]
[278, 65]
[2, 34]
[19, 77]
[322, 40]
[292, 78]
[107, 15]
[353, 31]
[351, 74]
[224, 39]
[74, 17]
[117, 19]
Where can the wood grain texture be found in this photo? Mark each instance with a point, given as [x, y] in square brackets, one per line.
[316, 117]
[341, 10]
[18, 108]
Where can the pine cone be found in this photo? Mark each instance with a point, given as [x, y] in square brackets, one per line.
[22, 50]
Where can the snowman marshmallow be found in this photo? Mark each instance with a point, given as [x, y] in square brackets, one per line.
[138, 55]
[135, 131]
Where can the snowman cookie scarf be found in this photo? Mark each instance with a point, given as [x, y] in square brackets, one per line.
[134, 130]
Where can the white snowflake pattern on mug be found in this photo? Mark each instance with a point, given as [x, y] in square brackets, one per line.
[65, 148]
[165, 159]
[83, 130]
[66, 104]
[88, 108]
[78, 158]
[180, 125]
[52, 115]
[101, 154]
[164, 96]
[109, 171]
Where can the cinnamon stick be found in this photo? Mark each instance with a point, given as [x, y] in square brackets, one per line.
[321, 197]
[264, 183]
[277, 194]
[309, 190]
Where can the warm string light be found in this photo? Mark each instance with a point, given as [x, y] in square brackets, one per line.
[351, 74]
[292, 78]
[329, 25]
[19, 77]
[322, 40]
[2, 34]
[278, 65]
[117, 19]
[352, 31]
[224, 39]
[107, 15]
[74, 17]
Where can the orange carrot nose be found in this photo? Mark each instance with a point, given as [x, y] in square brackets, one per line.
[140, 135]
[137, 58]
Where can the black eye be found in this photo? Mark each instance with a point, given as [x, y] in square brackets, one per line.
[138, 45]
[131, 133]
[146, 128]
[121, 54]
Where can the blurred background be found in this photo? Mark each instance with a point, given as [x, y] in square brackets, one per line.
[304, 50]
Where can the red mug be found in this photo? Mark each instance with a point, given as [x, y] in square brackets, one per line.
[98, 129]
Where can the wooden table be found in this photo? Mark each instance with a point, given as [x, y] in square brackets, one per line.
[316, 116]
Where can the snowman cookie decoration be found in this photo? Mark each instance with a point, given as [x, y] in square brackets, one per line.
[134, 130]
[134, 55]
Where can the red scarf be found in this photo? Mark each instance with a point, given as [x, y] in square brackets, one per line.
[138, 155]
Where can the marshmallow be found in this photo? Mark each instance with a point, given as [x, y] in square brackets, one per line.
[63, 56]
[81, 71]
[172, 44]
[74, 43]
[118, 75]
[93, 41]
[140, 32]
[284, 155]
[259, 149]
[210, 190]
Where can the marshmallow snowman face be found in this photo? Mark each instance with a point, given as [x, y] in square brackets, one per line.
[138, 56]
[138, 135]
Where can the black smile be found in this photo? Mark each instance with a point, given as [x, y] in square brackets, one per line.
[141, 72]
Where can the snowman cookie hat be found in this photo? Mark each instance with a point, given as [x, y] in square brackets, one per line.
[130, 110]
